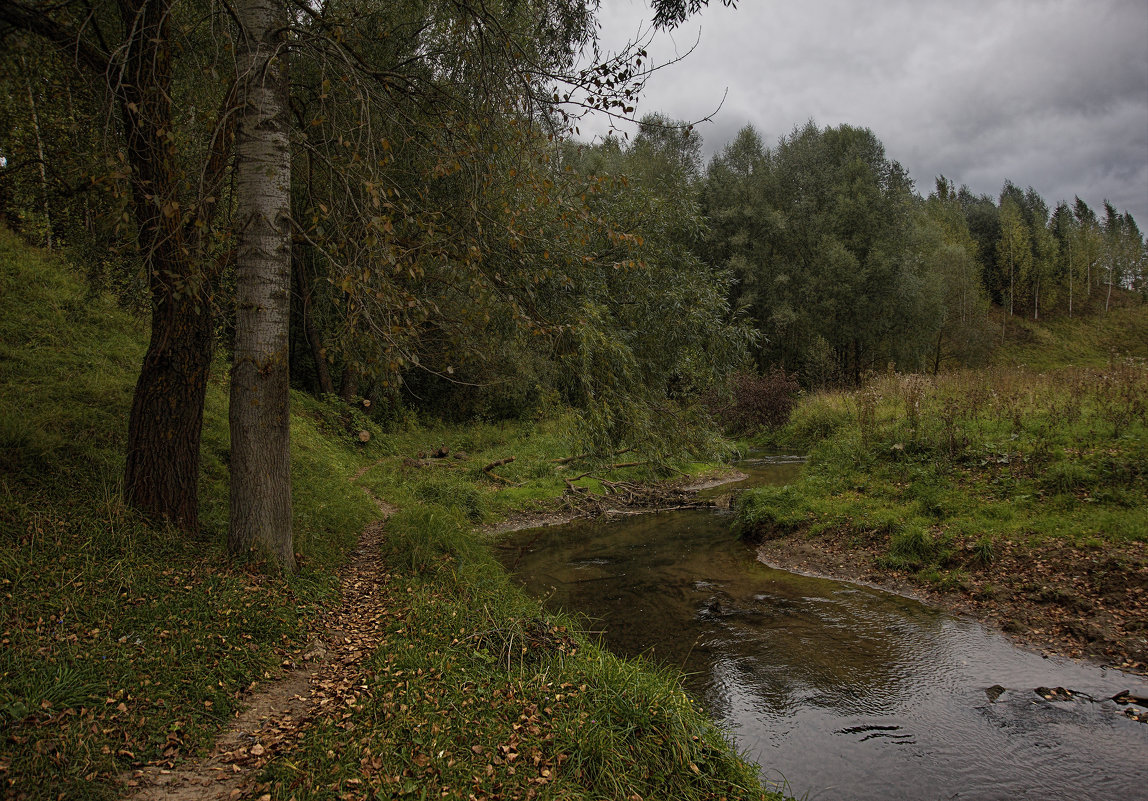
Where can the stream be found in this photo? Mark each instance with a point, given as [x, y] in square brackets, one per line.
[838, 691]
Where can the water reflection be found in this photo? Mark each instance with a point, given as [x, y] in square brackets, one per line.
[848, 692]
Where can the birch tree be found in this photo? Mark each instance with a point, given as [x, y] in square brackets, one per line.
[260, 390]
[1013, 251]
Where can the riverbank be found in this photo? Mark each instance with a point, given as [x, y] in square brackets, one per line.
[1017, 497]
[1041, 600]
[666, 495]
[129, 647]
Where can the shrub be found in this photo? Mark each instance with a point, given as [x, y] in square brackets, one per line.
[757, 402]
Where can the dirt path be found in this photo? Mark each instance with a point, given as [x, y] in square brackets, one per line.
[325, 678]
[323, 681]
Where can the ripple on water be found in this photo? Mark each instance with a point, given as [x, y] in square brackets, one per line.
[846, 691]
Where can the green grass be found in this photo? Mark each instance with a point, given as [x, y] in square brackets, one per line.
[534, 708]
[535, 478]
[937, 470]
[1089, 340]
[123, 642]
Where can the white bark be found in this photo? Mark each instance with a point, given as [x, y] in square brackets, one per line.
[259, 414]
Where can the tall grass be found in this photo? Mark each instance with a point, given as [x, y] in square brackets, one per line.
[915, 461]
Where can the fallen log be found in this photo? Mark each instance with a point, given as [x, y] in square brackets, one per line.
[489, 470]
[569, 459]
[497, 463]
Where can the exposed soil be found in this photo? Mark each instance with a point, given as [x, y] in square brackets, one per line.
[1083, 603]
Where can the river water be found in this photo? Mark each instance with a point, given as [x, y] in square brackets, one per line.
[838, 690]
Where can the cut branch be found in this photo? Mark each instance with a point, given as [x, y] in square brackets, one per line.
[498, 463]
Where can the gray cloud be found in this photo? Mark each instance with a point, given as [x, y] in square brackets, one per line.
[1048, 93]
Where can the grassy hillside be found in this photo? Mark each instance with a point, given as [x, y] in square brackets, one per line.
[1091, 340]
[126, 642]
[1024, 489]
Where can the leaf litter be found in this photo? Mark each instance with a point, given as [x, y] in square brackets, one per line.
[324, 676]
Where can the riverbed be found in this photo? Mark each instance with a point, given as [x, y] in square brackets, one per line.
[839, 691]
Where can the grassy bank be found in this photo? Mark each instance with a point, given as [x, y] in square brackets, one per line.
[1026, 492]
[125, 643]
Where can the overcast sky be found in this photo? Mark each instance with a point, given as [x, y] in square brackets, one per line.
[1047, 93]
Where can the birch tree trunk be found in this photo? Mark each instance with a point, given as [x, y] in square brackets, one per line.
[259, 414]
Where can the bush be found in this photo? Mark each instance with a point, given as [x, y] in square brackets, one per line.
[757, 402]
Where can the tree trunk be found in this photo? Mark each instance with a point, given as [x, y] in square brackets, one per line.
[39, 150]
[161, 476]
[349, 386]
[1010, 288]
[260, 393]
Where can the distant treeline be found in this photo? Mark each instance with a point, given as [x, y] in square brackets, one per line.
[456, 256]
[844, 267]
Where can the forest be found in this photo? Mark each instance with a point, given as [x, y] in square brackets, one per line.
[331, 232]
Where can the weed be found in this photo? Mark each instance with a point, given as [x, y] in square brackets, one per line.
[984, 551]
[910, 548]
[1069, 477]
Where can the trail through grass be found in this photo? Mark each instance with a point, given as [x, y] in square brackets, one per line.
[125, 643]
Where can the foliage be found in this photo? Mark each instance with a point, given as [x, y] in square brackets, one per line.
[756, 402]
[820, 234]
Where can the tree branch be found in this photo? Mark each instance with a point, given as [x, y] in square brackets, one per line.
[38, 23]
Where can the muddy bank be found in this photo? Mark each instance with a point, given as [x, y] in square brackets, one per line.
[668, 495]
[1083, 603]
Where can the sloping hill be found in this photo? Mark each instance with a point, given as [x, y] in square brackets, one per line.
[123, 640]
[125, 644]
[1082, 341]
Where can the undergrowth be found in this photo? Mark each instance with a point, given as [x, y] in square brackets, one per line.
[938, 472]
[125, 642]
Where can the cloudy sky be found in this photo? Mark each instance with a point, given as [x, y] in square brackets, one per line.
[1047, 93]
